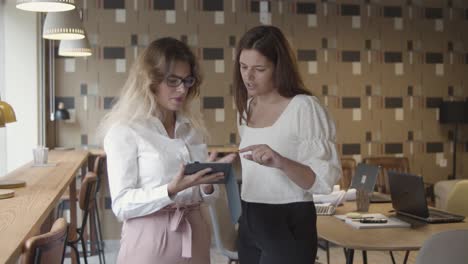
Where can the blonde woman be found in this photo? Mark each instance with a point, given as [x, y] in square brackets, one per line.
[150, 133]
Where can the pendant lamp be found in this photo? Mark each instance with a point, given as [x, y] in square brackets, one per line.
[46, 5]
[75, 48]
[63, 25]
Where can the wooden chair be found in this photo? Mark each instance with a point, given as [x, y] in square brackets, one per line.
[86, 202]
[96, 238]
[49, 247]
[95, 231]
[348, 167]
[386, 164]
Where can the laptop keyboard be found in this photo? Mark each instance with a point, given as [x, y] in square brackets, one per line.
[324, 209]
[438, 214]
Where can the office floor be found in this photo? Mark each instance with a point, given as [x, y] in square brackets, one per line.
[336, 256]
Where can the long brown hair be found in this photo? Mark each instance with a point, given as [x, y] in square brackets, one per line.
[271, 43]
[138, 96]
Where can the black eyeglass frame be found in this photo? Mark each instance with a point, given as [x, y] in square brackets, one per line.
[188, 81]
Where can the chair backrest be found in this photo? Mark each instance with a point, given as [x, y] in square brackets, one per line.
[400, 164]
[445, 247]
[47, 248]
[457, 201]
[87, 196]
[348, 167]
[225, 233]
[99, 168]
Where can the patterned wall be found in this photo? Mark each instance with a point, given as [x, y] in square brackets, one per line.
[380, 66]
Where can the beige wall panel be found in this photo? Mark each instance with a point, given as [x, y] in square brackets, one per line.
[394, 87]
[393, 132]
[110, 82]
[348, 80]
[107, 21]
[218, 36]
[431, 172]
[176, 31]
[69, 134]
[211, 87]
[91, 20]
[208, 18]
[432, 132]
[349, 39]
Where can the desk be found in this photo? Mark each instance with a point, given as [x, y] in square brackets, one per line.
[21, 216]
[336, 231]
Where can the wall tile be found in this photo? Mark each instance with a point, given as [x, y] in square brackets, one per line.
[351, 56]
[305, 8]
[114, 53]
[114, 4]
[164, 4]
[213, 102]
[351, 102]
[393, 102]
[350, 10]
[434, 147]
[393, 148]
[213, 5]
[392, 11]
[306, 55]
[351, 149]
[213, 54]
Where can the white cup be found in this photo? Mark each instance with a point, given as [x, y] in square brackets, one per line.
[336, 188]
[40, 155]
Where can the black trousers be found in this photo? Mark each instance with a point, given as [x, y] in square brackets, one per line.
[277, 233]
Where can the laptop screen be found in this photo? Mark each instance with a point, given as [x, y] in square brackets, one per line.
[407, 192]
[365, 177]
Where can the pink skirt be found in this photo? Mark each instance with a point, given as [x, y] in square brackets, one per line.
[168, 236]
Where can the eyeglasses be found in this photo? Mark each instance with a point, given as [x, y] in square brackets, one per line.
[174, 81]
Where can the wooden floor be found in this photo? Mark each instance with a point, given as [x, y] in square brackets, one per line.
[380, 257]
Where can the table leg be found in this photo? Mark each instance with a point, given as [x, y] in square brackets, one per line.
[72, 226]
[406, 257]
[349, 256]
[364, 257]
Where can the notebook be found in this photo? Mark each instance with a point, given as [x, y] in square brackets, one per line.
[392, 222]
[365, 178]
[409, 199]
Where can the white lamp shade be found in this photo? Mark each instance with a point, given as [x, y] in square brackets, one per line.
[63, 25]
[75, 48]
[46, 5]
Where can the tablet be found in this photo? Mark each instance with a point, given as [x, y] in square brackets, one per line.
[192, 168]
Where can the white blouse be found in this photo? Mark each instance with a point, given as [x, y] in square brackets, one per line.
[304, 133]
[142, 159]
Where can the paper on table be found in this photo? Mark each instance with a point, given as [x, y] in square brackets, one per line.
[392, 222]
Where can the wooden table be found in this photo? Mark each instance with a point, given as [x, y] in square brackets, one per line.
[21, 216]
[336, 231]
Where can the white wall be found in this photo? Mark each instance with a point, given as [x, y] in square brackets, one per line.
[2, 93]
[21, 78]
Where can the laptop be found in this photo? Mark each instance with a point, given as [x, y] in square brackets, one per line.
[365, 178]
[329, 208]
[409, 199]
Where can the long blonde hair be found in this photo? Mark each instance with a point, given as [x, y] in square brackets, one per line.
[138, 96]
